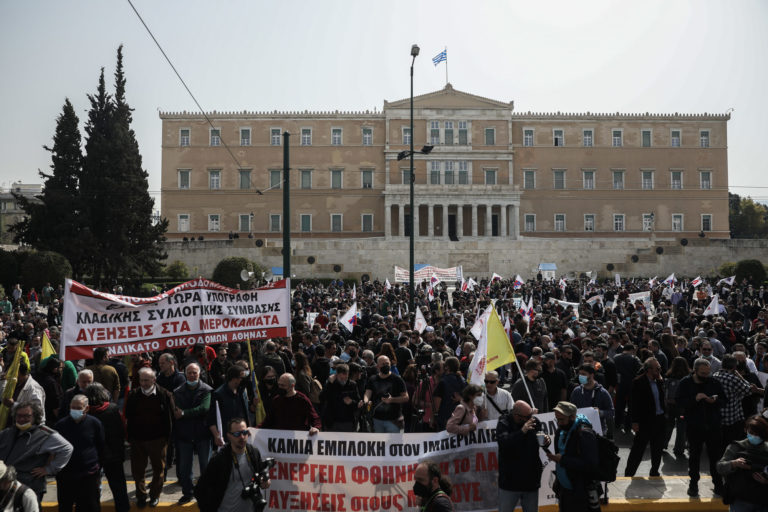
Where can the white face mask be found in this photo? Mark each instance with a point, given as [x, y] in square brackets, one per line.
[478, 401]
[149, 391]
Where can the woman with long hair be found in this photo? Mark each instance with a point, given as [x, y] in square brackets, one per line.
[464, 418]
[387, 350]
[675, 419]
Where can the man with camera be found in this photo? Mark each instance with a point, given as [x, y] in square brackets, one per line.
[235, 475]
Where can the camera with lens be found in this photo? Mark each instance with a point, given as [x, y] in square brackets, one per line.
[252, 491]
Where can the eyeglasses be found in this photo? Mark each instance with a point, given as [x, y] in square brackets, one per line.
[240, 433]
[491, 381]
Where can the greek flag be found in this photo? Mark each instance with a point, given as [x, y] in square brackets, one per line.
[440, 57]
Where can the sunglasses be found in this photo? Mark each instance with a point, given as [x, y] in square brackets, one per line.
[491, 381]
[240, 433]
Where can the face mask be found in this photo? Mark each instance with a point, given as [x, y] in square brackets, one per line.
[270, 381]
[192, 383]
[282, 392]
[147, 392]
[385, 369]
[342, 382]
[583, 379]
[244, 375]
[753, 439]
[76, 414]
[478, 401]
[24, 426]
[419, 489]
[345, 357]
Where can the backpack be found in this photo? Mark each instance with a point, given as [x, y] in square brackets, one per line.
[607, 458]
[315, 388]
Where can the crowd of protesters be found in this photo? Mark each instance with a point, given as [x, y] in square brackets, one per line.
[652, 369]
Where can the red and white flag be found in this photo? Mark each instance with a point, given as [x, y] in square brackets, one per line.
[349, 320]
[518, 282]
[420, 323]
[495, 277]
[671, 280]
[713, 308]
[696, 282]
[387, 284]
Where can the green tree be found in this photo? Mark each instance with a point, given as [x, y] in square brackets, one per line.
[751, 270]
[228, 270]
[42, 267]
[114, 189]
[54, 219]
[748, 219]
[177, 270]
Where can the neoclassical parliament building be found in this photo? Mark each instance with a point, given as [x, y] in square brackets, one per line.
[493, 172]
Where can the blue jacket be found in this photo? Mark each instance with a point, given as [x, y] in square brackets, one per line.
[596, 397]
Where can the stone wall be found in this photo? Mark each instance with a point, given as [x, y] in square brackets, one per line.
[378, 256]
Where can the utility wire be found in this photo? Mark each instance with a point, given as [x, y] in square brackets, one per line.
[221, 139]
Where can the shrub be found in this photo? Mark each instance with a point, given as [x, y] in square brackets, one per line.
[727, 269]
[227, 272]
[177, 270]
[42, 267]
[751, 270]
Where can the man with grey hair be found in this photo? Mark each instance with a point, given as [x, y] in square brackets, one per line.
[292, 410]
[77, 485]
[84, 379]
[15, 494]
[148, 416]
[496, 400]
[35, 450]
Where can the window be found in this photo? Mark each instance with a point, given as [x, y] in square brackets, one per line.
[214, 180]
[336, 136]
[463, 173]
[490, 176]
[434, 133]
[245, 223]
[648, 222]
[183, 222]
[706, 222]
[184, 137]
[274, 223]
[434, 173]
[367, 136]
[705, 178]
[490, 136]
[587, 138]
[674, 139]
[558, 138]
[306, 222]
[214, 222]
[448, 133]
[184, 179]
[530, 222]
[677, 222]
[647, 179]
[275, 178]
[646, 138]
[215, 137]
[336, 222]
[274, 136]
[559, 179]
[367, 222]
[588, 179]
[406, 176]
[617, 137]
[704, 138]
[449, 173]
[367, 178]
[306, 179]
[618, 180]
[529, 180]
[559, 222]
[406, 136]
[306, 136]
[336, 178]
[245, 136]
[618, 222]
[676, 180]
[589, 222]
[245, 179]
[528, 138]
[463, 139]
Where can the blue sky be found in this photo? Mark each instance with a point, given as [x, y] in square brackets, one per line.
[652, 56]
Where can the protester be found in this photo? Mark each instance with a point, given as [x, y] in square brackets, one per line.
[84, 379]
[447, 394]
[736, 388]
[386, 392]
[342, 401]
[746, 487]
[530, 386]
[647, 410]
[292, 410]
[14, 495]
[496, 401]
[590, 393]
[105, 374]
[27, 390]
[432, 488]
[465, 416]
[678, 370]
[228, 401]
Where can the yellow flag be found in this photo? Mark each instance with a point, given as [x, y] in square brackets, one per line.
[260, 413]
[48, 349]
[500, 351]
[11, 376]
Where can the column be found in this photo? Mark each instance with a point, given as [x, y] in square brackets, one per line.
[488, 213]
[416, 231]
[401, 220]
[474, 220]
[503, 220]
[460, 220]
[515, 222]
[387, 219]
[430, 220]
[445, 221]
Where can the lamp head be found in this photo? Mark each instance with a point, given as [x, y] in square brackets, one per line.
[403, 155]
[427, 149]
[414, 50]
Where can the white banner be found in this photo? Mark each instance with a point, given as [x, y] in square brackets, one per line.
[425, 273]
[364, 472]
[198, 311]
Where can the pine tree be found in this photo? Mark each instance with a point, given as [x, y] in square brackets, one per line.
[55, 219]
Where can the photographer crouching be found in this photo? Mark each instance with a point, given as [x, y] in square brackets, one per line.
[235, 475]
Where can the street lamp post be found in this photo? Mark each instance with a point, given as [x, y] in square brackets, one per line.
[411, 248]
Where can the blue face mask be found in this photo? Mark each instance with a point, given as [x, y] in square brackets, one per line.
[192, 383]
[753, 439]
[76, 414]
[583, 379]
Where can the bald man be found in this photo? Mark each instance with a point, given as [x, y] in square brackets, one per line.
[291, 409]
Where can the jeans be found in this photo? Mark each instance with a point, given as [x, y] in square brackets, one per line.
[529, 500]
[385, 427]
[185, 453]
[115, 474]
[696, 441]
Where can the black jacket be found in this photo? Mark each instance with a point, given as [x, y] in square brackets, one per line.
[642, 406]
[700, 416]
[212, 484]
[114, 432]
[519, 461]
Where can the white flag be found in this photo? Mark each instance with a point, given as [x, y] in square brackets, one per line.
[477, 328]
[518, 282]
[420, 323]
[696, 282]
[471, 284]
[507, 327]
[669, 324]
[477, 375]
[727, 280]
[495, 277]
[670, 280]
[218, 424]
[387, 284]
[713, 307]
[462, 324]
[617, 279]
[652, 282]
[349, 320]
[399, 312]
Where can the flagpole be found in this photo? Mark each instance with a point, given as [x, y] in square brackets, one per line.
[446, 65]
[525, 384]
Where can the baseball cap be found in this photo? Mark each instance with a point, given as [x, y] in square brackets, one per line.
[549, 355]
[566, 408]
